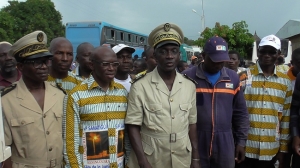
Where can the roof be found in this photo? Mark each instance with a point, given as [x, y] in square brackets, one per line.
[291, 28]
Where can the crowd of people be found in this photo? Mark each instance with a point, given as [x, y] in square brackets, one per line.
[115, 111]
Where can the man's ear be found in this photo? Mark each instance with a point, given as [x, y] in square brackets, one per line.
[20, 66]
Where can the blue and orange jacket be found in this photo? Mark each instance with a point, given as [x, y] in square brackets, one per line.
[222, 106]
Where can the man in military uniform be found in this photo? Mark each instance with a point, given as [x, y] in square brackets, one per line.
[162, 125]
[33, 108]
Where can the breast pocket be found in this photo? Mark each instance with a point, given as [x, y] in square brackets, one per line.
[184, 110]
[153, 113]
[24, 127]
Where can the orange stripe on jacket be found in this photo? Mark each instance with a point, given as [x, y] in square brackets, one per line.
[230, 91]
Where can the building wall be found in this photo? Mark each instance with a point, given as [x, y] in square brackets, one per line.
[295, 41]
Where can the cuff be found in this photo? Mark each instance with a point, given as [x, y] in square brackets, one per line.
[241, 143]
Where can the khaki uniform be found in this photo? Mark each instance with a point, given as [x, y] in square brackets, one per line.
[35, 135]
[164, 117]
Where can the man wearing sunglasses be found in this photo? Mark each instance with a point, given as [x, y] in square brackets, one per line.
[94, 117]
[33, 108]
[268, 94]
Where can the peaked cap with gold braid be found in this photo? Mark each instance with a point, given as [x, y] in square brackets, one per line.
[31, 46]
[164, 34]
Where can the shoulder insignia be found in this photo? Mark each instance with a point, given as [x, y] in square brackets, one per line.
[6, 90]
[187, 77]
[138, 77]
[60, 88]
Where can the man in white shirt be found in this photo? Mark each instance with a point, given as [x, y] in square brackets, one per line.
[124, 55]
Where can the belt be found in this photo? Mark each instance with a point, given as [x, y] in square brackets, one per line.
[172, 137]
[44, 163]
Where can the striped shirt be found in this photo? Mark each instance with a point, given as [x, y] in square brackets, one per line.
[93, 125]
[268, 100]
[67, 83]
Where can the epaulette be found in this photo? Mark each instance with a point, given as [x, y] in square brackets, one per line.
[187, 77]
[138, 77]
[6, 90]
[60, 88]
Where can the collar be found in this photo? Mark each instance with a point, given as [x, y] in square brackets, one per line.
[200, 73]
[290, 74]
[256, 69]
[76, 71]
[93, 84]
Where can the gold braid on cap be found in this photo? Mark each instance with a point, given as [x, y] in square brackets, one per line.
[166, 36]
[30, 49]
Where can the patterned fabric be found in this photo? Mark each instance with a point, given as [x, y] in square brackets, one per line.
[268, 100]
[93, 125]
[67, 83]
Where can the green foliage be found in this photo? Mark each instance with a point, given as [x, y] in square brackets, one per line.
[237, 37]
[189, 42]
[20, 18]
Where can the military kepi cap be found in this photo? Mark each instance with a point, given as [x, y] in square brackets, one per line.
[167, 33]
[31, 46]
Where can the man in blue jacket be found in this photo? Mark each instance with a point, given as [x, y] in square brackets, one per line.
[221, 107]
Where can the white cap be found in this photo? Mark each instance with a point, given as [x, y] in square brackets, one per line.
[120, 47]
[270, 40]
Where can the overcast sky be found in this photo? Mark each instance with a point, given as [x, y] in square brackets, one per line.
[263, 16]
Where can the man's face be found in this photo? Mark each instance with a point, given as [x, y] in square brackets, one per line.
[104, 65]
[233, 63]
[194, 60]
[184, 67]
[150, 60]
[267, 55]
[36, 69]
[125, 60]
[167, 57]
[137, 67]
[7, 62]
[83, 57]
[212, 67]
[62, 56]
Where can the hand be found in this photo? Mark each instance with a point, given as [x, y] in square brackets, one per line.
[145, 164]
[279, 157]
[239, 154]
[296, 145]
[195, 164]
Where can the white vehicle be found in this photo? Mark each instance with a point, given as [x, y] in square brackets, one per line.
[286, 50]
[196, 50]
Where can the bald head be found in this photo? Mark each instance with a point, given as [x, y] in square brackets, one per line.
[5, 42]
[101, 52]
[57, 41]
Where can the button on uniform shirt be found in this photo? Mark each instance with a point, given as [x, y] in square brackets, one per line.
[268, 100]
[67, 83]
[94, 125]
[34, 134]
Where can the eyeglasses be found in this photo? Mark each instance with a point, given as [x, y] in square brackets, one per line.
[107, 64]
[39, 63]
[267, 52]
[164, 52]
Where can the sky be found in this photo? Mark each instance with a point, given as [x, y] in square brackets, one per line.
[263, 16]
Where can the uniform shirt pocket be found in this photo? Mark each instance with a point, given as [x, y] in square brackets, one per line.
[153, 113]
[23, 127]
[184, 111]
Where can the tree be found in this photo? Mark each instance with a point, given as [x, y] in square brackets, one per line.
[237, 37]
[188, 41]
[21, 18]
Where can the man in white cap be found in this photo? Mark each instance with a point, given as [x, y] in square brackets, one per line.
[33, 108]
[268, 94]
[124, 55]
